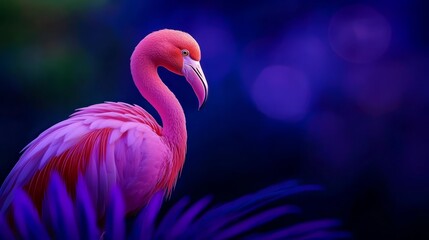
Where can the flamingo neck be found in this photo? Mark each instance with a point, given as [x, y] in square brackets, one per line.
[150, 85]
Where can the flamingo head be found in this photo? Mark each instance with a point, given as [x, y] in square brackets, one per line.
[180, 53]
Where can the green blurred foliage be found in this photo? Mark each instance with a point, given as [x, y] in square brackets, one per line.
[51, 72]
[39, 48]
[51, 6]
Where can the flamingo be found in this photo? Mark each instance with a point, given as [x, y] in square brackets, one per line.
[116, 143]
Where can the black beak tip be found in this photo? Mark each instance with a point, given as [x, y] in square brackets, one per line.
[203, 104]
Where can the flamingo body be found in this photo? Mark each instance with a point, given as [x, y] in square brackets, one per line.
[94, 142]
[117, 143]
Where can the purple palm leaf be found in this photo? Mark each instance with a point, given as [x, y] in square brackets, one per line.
[85, 212]
[115, 224]
[26, 219]
[58, 209]
[5, 232]
[65, 219]
[144, 225]
[235, 218]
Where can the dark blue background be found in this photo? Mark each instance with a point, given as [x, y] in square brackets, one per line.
[333, 93]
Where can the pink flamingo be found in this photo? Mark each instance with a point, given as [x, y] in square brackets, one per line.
[118, 143]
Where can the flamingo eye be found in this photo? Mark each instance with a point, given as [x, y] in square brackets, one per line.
[185, 52]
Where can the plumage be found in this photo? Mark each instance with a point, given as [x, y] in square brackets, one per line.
[118, 144]
[71, 152]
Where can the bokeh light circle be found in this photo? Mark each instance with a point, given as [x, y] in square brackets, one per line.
[377, 89]
[359, 34]
[281, 93]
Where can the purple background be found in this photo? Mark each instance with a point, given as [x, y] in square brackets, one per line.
[333, 93]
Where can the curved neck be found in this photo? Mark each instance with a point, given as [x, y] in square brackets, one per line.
[148, 82]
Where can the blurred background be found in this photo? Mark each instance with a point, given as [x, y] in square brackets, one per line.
[332, 93]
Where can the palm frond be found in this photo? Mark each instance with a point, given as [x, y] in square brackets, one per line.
[63, 218]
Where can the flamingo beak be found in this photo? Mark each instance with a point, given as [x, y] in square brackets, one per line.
[195, 76]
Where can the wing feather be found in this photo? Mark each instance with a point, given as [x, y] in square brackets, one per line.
[114, 136]
[83, 144]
